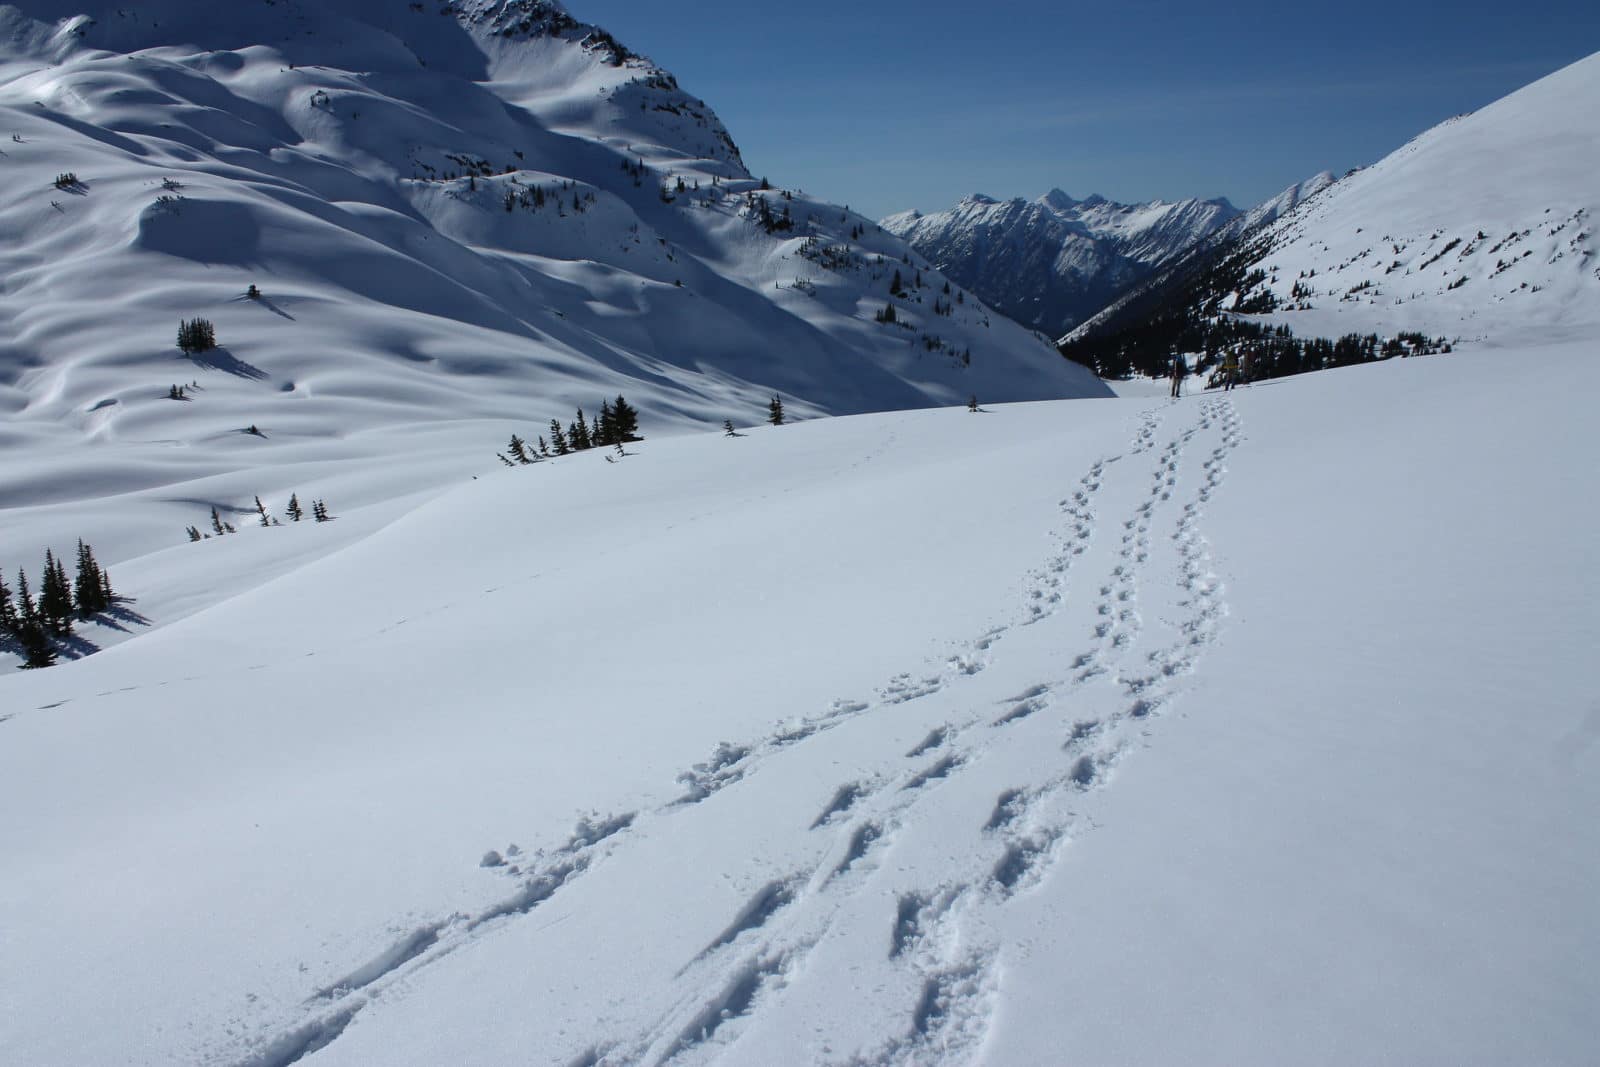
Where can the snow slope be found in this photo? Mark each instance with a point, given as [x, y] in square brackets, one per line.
[1240, 729]
[1482, 227]
[464, 220]
[1053, 262]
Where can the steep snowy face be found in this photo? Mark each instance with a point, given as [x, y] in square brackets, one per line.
[1481, 227]
[399, 215]
[1051, 262]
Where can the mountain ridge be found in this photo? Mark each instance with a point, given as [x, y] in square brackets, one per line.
[1054, 261]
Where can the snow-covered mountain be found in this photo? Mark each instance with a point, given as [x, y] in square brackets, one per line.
[1481, 227]
[1239, 729]
[1052, 262]
[481, 210]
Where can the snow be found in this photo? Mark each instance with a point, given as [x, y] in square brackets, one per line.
[1245, 728]
[1479, 229]
[309, 151]
[1053, 262]
[1251, 724]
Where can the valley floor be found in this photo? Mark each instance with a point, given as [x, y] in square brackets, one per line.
[1241, 729]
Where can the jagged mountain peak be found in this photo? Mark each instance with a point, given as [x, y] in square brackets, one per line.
[1053, 261]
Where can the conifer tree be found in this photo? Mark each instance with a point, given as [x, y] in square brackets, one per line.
[972, 403]
[605, 425]
[578, 434]
[558, 438]
[775, 410]
[261, 509]
[727, 428]
[544, 447]
[8, 611]
[319, 511]
[626, 420]
[216, 521]
[193, 532]
[27, 610]
[518, 450]
[294, 509]
[55, 596]
[87, 588]
[37, 651]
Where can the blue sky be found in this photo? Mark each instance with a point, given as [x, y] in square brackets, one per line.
[888, 104]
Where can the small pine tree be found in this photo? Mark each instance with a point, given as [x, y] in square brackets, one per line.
[293, 509]
[27, 610]
[216, 521]
[193, 532]
[775, 410]
[37, 651]
[578, 434]
[605, 425]
[972, 403]
[319, 511]
[87, 587]
[8, 611]
[55, 596]
[627, 420]
[544, 447]
[727, 428]
[261, 510]
[518, 450]
[558, 438]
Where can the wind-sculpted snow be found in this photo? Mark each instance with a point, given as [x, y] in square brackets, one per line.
[413, 226]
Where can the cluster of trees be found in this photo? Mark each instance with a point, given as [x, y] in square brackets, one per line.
[197, 335]
[221, 527]
[769, 222]
[616, 425]
[35, 624]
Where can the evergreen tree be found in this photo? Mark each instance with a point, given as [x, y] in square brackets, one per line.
[578, 434]
[319, 511]
[294, 508]
[606, 425]
[37, 651]
[216, 521]
[775, 410]
[727, 428]
[896, 285]
[8, 611]
[626, 418]
[972, 403]
[519, 450]
[544, 447]
[193, 532]
[87, 587]
[558, 439]
[27, 610]
[261, 510]
[55, 596]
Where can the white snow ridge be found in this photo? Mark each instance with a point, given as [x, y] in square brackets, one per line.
[1246, 728]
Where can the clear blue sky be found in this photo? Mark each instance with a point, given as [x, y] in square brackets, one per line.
[892, 104]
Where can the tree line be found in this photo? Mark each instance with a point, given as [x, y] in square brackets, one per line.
[34, 624]
[616, 425]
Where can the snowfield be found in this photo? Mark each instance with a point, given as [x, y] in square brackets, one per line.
[1238, 729]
